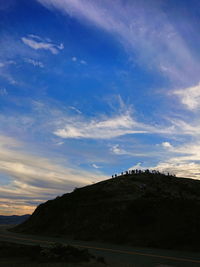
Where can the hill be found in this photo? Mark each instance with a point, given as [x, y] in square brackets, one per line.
[145, 209]
[13, 219]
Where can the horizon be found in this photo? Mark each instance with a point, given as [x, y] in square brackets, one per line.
[92, 88]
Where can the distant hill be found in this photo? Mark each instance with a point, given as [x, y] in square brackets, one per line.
[142, 209]
[14, 219]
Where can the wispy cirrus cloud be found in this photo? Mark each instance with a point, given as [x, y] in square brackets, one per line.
[7, 63]
[182, 159]
[35, 177]
[180, 167]
[121, 123]
[166, 145]
[71, 123]
[189, 97]
[185, 127]
[38, 43]
[8, 77]
[5, 73]
[31, 173]
[75, 109]
[142, 27]
[101, 128]
[35, 63]
[95, 166]
[117, 150]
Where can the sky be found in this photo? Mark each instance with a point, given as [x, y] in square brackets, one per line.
[91, 88]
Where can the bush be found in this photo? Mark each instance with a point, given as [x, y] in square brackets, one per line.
[60, 252]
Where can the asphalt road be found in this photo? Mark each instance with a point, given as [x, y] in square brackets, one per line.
[114, 254]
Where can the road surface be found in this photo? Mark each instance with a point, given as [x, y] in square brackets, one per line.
[114, 254]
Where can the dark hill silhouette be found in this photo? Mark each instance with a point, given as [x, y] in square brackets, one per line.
[142, 209]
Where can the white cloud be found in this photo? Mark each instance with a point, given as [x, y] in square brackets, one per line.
[101, 128]
[95, 166]
[83, 62]
[60, 46]
[10, 62]
[37, 43]
[5, 71]
[142, 26]
[35, 63]
[24, 166]
[122, 123]
[137, 166]
[181, 169]
[181, 127]
[133, 152]
[36, 177]
[182, 160]
[166, 145]
[74, 59]
[8, 77]
[6, 63]
[117, 150]
[75, 109]
[190, 97]
[189, 151]
[34, 36]
[60, 143]
[48, 117]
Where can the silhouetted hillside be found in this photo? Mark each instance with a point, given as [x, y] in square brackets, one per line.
[140, 209]
[13, 219]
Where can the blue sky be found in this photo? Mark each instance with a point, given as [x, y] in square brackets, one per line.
[93, 88]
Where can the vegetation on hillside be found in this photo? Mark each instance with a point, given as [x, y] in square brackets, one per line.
[56, 253]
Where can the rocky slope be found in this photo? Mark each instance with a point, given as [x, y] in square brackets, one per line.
[138, 209]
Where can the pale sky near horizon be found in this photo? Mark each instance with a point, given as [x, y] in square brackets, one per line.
[90, 88]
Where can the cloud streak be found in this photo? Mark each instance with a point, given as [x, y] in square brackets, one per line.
[38, 43]
[35, 177]
[41, 178]
[142, 27]
[35, 63]
[189, 97]
[101, 128]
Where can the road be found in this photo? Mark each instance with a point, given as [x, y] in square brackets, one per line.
[114, 254]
